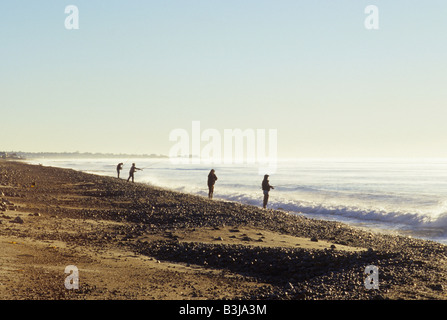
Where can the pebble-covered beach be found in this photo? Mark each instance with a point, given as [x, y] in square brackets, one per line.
[134, 241]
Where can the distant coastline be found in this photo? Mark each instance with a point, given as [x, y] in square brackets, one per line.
[68, 155]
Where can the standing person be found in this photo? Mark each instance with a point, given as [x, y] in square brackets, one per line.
[119, 167]
[266, 188]
[211, 180]
[132, 171]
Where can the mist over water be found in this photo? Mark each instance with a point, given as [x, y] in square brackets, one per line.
[406, 196]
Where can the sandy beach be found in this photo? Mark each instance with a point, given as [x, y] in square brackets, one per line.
[131, 241]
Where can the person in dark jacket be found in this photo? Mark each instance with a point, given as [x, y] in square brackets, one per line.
[132, 171]
[211, 181]
[119, 167]
[266, 189]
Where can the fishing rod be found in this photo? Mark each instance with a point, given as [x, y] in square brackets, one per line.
[151, 165]
[130, 155]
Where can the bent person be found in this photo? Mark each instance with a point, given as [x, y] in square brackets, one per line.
[119, 167]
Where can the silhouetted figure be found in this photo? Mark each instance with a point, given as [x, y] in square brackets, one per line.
[266, 189]
[211, 180]
[119, 167]
[132, 171]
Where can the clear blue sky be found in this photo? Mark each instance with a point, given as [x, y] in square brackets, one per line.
[135, 70]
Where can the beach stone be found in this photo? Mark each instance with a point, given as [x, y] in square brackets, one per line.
[18, 220]
[437, 287]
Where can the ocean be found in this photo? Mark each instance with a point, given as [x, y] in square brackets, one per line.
[399, 196]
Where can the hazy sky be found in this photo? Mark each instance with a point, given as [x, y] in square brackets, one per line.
[136, 70]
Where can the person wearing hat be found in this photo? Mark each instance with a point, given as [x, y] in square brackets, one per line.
[266, 188]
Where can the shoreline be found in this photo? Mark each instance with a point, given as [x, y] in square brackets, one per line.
[378, 224]
[135, 241]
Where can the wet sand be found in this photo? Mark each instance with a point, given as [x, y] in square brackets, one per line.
[136, 242]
